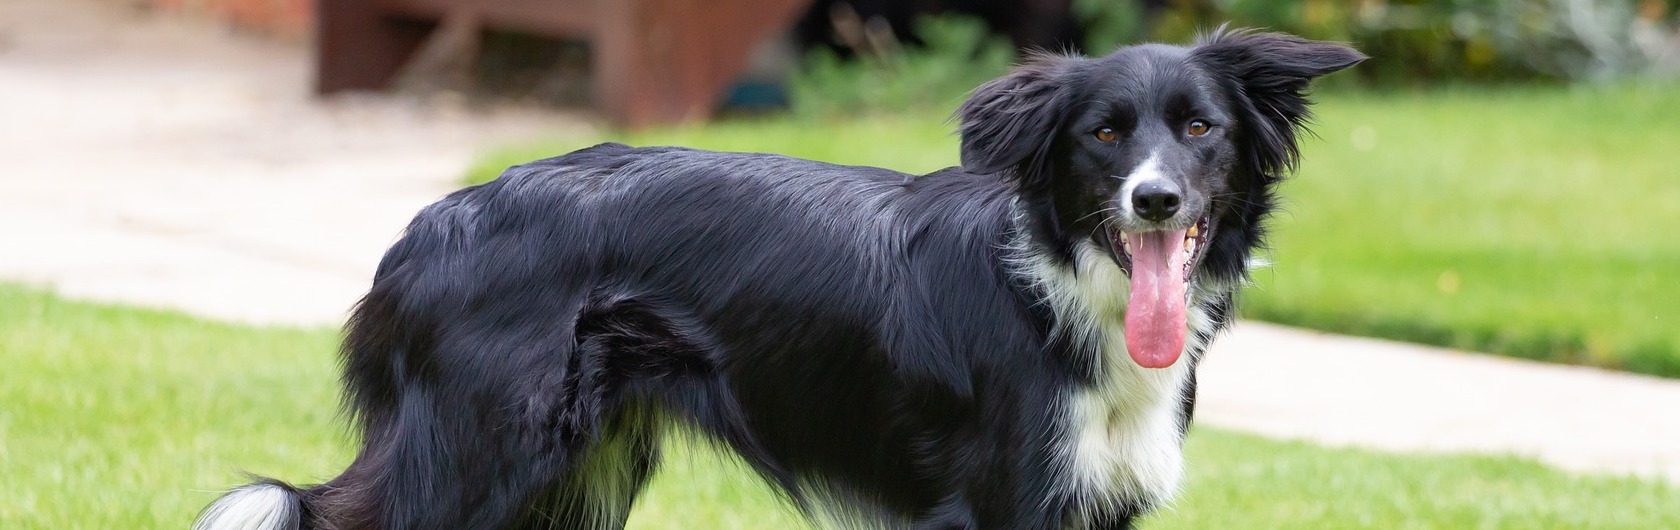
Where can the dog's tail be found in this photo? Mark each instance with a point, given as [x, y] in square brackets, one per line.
[264, 505]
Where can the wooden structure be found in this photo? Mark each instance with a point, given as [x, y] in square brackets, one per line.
[653, 61]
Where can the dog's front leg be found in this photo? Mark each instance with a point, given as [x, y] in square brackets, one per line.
[954, 513]
[1112, 523]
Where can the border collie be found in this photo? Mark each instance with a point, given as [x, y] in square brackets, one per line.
[1008, 344]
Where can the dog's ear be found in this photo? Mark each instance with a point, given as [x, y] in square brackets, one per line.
[1268, 74]
[1010, 123]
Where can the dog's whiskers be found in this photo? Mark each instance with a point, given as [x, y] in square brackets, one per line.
[1098, 212]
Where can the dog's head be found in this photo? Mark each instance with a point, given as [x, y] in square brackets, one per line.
[1162, 156]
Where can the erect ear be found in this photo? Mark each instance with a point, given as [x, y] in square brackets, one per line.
[1010, 123]
[1270, 73]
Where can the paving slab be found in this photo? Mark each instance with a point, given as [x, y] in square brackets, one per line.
[1292, 383]
[167, 163]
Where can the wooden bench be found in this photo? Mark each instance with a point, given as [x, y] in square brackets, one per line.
[653, 61]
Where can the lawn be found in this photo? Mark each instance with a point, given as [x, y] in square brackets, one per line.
[1532, 222]
[1535, 223]
[126, 418]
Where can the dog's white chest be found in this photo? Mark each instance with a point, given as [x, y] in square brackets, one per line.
[1126, 441]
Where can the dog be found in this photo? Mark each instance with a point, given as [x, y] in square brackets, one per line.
[1008, 344]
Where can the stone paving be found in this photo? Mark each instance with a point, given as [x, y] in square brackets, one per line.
[168, 162]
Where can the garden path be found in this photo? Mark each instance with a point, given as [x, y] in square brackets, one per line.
[167, 163]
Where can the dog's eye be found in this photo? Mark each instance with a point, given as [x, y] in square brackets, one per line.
[1105, 134]
[1198, 127]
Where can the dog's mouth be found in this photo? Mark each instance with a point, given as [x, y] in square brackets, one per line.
[1194, 239]
[1159, 263]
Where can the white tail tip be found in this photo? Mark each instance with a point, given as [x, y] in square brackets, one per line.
[254, 507]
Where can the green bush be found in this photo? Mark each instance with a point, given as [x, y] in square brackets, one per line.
[1413, 41]
[960, 55]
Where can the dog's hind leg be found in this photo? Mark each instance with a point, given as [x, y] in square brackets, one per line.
[513, 422]
[434, 462]
[626, 357]
[463, 432]
[600, 489]
[479, 428]
[442, 464]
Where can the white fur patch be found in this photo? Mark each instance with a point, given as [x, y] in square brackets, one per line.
[1148, 171]
[253, 507]
[1125, 446]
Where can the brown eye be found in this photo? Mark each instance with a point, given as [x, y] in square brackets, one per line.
[1198, 127]
[1106, 134]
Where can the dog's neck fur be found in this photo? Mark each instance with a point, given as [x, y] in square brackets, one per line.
[1127, 422]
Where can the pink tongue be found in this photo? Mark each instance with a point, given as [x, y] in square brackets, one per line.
[1155, 324]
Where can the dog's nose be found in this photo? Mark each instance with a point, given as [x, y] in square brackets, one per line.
[1156, 200]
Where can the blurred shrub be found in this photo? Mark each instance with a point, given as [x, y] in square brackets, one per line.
[1414, 41]
[1110, 24]
[1411, 42]
[959, 55]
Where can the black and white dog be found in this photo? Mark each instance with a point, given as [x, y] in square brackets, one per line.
[1010, 344]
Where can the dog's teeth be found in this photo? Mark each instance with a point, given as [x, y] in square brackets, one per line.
[1193, 231]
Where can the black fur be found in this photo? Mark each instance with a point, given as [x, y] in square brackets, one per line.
[856, 334]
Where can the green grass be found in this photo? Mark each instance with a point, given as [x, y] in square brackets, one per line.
[118, 418]
[124, 418]
[1535, 223]
[1528, 222]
